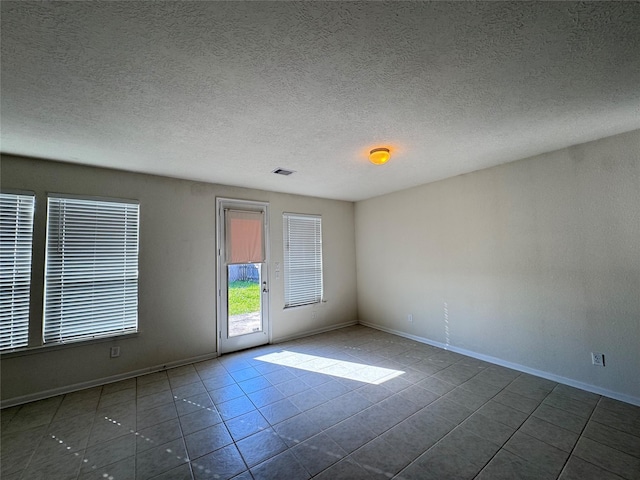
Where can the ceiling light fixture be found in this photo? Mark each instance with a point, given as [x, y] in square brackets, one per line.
[379, 156]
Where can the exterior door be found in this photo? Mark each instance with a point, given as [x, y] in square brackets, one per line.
[243, 287]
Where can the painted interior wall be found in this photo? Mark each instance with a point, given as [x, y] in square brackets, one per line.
[177, 279]
[535, 263]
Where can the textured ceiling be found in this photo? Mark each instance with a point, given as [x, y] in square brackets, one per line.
[227, 92]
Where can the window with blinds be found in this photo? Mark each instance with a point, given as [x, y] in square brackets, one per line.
[16, 239]
[91, 273]
[302, 259]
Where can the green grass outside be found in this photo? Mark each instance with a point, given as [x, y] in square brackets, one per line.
[244, 297]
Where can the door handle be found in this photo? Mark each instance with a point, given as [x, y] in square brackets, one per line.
[264, 287]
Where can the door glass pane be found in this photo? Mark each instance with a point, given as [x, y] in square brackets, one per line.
[243, 298]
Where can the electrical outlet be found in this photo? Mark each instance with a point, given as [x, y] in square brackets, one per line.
[114, 352]
[410, 318]
[597, 359]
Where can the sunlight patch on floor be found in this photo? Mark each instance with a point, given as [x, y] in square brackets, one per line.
[331, 366]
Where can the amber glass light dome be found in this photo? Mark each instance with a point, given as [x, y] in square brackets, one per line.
[379, 156]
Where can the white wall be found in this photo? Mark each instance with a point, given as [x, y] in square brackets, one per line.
[536, 263]
[177, 283]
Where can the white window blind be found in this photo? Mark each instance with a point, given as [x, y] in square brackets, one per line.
[16, 238]
[91, 276]
[302, 259]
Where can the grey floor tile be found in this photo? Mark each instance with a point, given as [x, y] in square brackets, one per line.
[154, 400]
[118, 386]
[376, 418]
[381, 458]
[549, 433]
[503, 414]
[218, 381]
[266, 396]
[156, 415]
[198, 420]
[207, 440]
[185, 406]
[180, 371]
[616, 406]
[107, 427]
[477, 386]
[283, 465]
[578, 469]
[436, 385]
[418, 433]
[375, 393]
[181, 380]
[235, 408]
[613, 438]
[608, 458]
[108, 453]
[18, 447]
[121, 470]
[507, 466]
[297, 429]
[527, 390]
[160, 459]
[418, 395]
[245, 374]
[460, 454]
[150, 388]
[345, 469]
[254, 384]
[561, 418]
[15, 464]
[516, 401]
[64, 467]
[260, 446]
[79, 403]
[279, 411]
[6, 414]
[577, 394]
[158, 434]
[181, 472]
[307, 400]
[495, 432]
[331, 389]
[466, 398]
[222, 464]
[279, 376]
[617, 419]
[318, 453]
[188, 390]
[576, 407]
[246, 425]
[151, 378]
[449, 410]
[543, 455]
[226, 393]
[350, 434]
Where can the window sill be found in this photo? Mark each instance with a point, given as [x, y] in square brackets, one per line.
[50, 347]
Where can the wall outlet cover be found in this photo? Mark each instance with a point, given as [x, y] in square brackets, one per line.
[114, 352]
[597, 359]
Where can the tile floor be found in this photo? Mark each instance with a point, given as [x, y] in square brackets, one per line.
[355, 403]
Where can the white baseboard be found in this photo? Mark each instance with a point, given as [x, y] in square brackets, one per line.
[515, 366]
[315, 332]
[101, 381]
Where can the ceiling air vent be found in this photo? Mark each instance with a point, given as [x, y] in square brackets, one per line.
[282, 171]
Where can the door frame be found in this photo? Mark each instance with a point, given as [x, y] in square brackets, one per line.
[221, 267]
